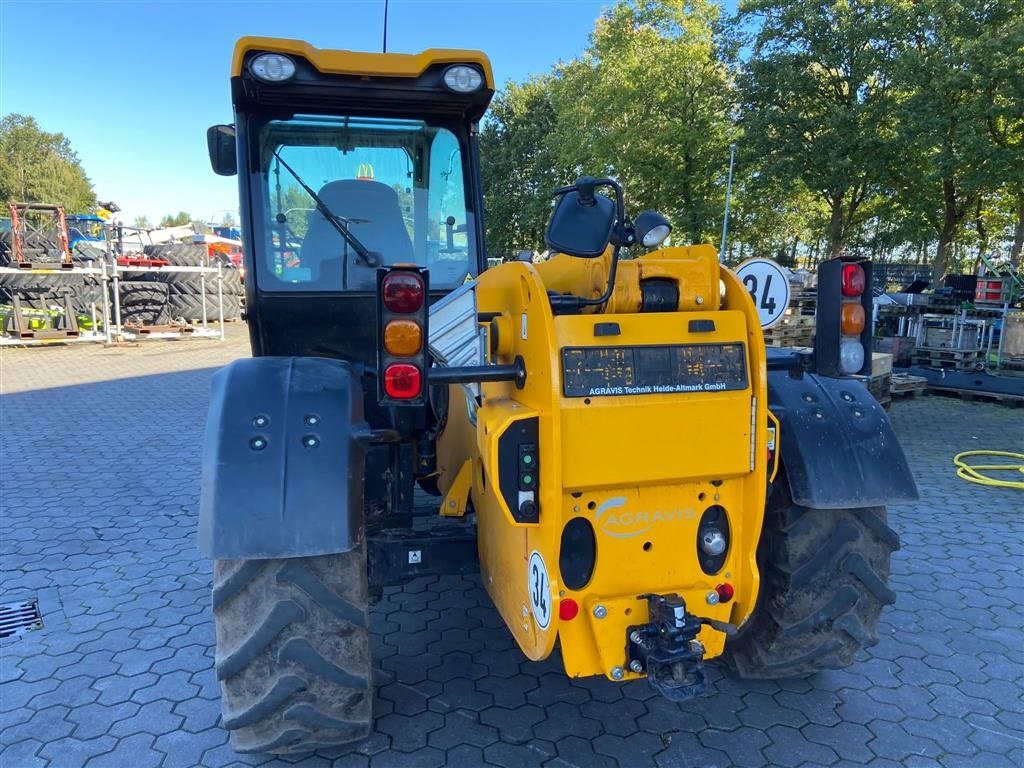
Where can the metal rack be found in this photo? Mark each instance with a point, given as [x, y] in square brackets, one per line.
[17, 332]
[169, 332]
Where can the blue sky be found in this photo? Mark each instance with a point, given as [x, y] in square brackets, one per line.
[134, 85]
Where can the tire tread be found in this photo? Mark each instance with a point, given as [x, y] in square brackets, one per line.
[824, 584]
[293, 652]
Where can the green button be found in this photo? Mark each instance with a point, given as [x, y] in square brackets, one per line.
[527, 479]
[527, 458]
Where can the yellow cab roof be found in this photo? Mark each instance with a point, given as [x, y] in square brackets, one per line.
[340, 62]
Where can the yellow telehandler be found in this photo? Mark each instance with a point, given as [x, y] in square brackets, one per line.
[613, 448]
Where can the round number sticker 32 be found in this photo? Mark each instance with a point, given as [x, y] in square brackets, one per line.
[768, 285]
[539, 587]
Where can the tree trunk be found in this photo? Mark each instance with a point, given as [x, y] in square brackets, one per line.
[979, 226]
[950, 224]
[835, 228]
[688, 201]
[1018, 236]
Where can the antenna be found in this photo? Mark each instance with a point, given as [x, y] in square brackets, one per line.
[385, 26]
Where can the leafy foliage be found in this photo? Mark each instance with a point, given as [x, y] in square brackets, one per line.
[41, 167]
[175, 220]
[893, 128]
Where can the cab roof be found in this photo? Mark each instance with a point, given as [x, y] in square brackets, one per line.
[342, 62]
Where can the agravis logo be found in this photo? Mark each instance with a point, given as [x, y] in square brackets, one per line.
[626, 525]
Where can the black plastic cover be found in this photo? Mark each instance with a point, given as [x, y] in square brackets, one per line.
[577, 555]
[283, 460]
[838, 447]
[581, 228]
[520, 434]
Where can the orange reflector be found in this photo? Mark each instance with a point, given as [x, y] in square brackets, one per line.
[567, 609]
[403, 338]
[852, 319]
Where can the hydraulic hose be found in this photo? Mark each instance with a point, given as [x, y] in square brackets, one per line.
[972, 473]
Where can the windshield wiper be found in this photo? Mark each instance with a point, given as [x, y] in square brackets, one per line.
[369, 257]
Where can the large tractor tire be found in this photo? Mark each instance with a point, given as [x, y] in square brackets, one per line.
[189, 306]
[293, 652]
[824, 583]
[179, 254]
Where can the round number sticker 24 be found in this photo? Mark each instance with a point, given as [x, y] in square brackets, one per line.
[539, 587]
[768, 285]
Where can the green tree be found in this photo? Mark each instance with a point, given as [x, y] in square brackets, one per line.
[999, 55]
[520, 166]
[297, 206]
[228, 220]
[649, 102]
[817, 105]
[142, 222]
[176, 220]
[954, 112]
[41, 167]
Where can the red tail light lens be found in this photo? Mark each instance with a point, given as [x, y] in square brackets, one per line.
[725, 592]
[568, 609]
[402, 381]
[402, 292]
[853, 280]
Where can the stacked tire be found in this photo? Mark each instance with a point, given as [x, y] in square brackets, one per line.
[36, 248]
[184, 293]
[144, 302]
[51, 291]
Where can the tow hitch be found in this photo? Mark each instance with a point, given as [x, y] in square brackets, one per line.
[667, 648]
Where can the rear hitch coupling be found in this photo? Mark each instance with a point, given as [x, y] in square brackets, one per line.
[667, 648]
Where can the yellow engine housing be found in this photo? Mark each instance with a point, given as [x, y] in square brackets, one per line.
[642, 468]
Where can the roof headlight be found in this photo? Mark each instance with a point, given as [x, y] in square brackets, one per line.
[272, 68]
[463, 79]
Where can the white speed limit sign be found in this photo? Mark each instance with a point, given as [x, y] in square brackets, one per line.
[768, 285]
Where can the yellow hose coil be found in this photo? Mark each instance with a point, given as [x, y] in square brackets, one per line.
[972, 472]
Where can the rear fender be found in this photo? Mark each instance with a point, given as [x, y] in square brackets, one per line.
[283, 460]
[837, 444]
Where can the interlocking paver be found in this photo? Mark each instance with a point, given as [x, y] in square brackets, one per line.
[121, 673]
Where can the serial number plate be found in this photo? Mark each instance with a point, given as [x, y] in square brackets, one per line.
[653, 370]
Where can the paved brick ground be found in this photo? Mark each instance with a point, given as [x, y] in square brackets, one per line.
[99, 475]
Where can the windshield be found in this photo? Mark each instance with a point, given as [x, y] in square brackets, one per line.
[341, 196]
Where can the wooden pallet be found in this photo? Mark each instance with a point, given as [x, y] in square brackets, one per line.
[803, 303]
[905, 385]
[942, 357]
[792, 331]
[146, 330]
[969, 395]
[804, 340]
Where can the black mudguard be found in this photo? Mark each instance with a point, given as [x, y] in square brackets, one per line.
[283, 460]
[838, 447]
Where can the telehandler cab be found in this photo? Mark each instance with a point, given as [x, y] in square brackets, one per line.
[631, 473]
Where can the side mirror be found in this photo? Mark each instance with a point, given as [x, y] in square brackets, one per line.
[582, 222]
[220, 140]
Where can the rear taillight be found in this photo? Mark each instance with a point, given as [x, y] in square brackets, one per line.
[402, 292]
[403, 381]
[853, 280]
[842, 341]
[402, 359]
